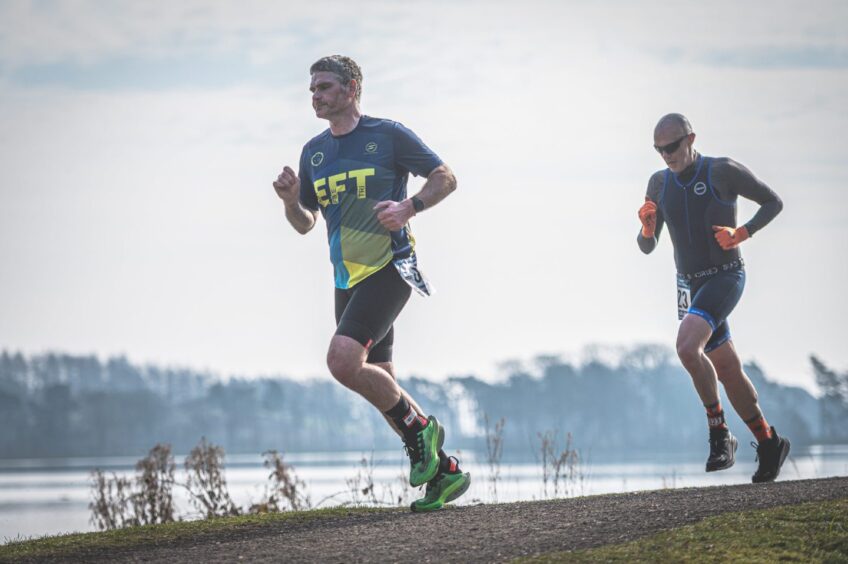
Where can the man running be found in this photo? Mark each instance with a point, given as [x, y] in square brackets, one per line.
[356, 173]
[696, 197]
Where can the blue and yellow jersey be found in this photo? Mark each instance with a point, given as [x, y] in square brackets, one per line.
[346, 176]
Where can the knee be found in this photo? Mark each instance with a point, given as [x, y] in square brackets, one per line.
[343, 365]
[689, 352]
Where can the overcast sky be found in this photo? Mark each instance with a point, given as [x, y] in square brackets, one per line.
[139, 141]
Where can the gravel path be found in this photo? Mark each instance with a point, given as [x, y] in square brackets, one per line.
[482, 533]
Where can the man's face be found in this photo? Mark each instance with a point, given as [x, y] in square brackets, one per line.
[675, 147]
[329, 97]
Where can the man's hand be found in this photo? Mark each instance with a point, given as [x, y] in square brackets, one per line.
[394, 215]
[728, 237]
[287, 186]
[648, 217]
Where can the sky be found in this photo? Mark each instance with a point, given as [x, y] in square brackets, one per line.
[139, 142]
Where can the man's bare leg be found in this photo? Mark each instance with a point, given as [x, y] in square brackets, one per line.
[692, 337]
[346, 360]
[390, 368]
[740, 390]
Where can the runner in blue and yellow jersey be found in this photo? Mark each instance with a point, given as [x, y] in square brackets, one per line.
[355, 174]
[696, 198]
[346, 176]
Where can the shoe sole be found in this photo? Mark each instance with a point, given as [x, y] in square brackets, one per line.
[452, 492]
[784, 452]
[732, 460]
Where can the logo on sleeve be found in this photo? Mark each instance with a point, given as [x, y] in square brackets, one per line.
[700, 189]
[371, 147]
[317, 158]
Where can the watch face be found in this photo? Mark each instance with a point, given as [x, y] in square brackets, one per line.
[417, 204]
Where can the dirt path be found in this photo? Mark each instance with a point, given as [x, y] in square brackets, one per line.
[482, 533]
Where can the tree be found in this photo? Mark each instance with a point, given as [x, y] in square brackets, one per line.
[834, 403]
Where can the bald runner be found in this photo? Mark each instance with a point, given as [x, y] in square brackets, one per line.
[695, 198]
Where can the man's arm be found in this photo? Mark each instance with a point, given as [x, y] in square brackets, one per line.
[302, 219]
[287, 187]
[440, 183]
[733, 178]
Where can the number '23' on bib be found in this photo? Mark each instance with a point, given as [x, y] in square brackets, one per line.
[684, 296]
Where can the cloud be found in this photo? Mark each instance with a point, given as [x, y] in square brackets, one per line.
[778, 57]
[180, 71]
[90, 32]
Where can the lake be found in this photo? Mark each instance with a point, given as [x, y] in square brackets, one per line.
[50, 496]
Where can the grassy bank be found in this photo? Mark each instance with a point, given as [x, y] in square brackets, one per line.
[82, 543]
[812, 532]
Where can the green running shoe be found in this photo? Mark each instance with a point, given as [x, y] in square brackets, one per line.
[442, 489]
[424, 454]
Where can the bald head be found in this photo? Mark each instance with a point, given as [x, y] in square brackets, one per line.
[676, 124]
[673, 140]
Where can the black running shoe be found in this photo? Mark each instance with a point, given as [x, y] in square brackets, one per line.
[770, 454]
[722, 450]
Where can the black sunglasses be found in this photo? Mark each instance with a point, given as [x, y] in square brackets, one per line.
[671, 147]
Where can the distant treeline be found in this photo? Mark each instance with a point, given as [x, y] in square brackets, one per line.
[57, 405]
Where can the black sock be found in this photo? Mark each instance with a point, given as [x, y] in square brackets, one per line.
[406, 419]
[446, 464]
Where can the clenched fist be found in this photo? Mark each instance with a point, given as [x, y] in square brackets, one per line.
[394, 215]
[728, 237]
[287, 186]
[648, 217]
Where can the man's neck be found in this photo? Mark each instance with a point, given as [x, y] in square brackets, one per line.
[341, 125]
[689, 171]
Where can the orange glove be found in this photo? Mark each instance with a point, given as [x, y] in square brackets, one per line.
[648, 217]
[730, 238]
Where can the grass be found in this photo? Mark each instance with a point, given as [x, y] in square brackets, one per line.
[81, 543]
[811, 532]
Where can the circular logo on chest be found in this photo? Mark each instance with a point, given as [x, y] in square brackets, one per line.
[700, 189]
[371, 147]
[317, 158]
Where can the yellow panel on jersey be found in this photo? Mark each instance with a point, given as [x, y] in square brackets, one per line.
[364, 253]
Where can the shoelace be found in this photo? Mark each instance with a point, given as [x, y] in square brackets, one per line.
[412, 453]
[415, 452]
[762, 457]
[715, 443]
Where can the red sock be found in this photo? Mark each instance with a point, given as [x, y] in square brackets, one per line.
[760, 428]
[715, 416]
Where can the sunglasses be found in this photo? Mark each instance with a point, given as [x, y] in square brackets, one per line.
[671, 147]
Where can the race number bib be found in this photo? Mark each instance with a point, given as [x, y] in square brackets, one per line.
[408, 269]
[684, 296]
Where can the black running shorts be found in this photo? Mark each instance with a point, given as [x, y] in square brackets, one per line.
[713, 298]
[367, 311]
